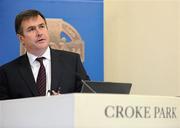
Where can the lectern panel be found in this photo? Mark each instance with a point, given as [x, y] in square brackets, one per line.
[91, 111]
[122, 111]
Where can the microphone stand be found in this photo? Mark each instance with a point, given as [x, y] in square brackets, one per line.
[84, 83]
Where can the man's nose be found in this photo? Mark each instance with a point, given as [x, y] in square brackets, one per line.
[38, 32]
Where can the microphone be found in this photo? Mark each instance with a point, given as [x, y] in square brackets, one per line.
[84, 83]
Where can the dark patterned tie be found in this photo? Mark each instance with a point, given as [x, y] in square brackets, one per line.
[41, 78]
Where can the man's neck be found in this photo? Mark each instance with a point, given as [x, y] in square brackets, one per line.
[38, 53]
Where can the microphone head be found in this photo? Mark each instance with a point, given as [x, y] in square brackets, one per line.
[81, 76]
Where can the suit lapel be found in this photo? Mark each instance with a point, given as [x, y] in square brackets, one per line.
[27, 75]
[56, 70]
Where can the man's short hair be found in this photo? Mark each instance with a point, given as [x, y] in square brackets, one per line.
[24, 15]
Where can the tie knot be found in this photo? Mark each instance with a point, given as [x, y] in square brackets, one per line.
[40, 59]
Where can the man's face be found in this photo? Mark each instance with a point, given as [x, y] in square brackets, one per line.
[34, 37]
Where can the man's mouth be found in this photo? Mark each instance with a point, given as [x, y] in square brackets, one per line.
[40, 40]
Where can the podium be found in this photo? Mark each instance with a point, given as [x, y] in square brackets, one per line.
[91, 111]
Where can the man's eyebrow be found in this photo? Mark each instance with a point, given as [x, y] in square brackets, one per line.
[42, 24]
[35, 26]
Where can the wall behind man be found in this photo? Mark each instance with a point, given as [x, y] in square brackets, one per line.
[142, 45]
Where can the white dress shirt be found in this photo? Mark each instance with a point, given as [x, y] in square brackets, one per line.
[35, 65]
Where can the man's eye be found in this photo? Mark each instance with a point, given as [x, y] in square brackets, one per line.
[31, 29]
[42, 26]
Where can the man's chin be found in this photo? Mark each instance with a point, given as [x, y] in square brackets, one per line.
[42, 45]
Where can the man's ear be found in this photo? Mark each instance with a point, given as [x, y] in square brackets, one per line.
[21, 38]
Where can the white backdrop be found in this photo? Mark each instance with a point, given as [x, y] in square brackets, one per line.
[142, 45]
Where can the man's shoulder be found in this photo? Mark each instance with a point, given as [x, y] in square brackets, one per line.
[63, 53]
[13, 62]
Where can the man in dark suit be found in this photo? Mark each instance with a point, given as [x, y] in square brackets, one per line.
[61, 71]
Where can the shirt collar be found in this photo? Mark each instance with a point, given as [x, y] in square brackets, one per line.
[32, 57]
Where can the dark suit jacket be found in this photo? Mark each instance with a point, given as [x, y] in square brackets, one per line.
[17, 81]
